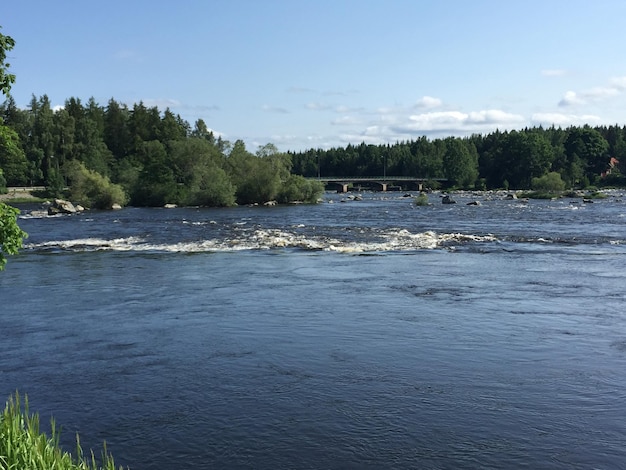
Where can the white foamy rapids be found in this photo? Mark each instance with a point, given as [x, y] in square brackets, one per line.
[403, 240]
[88, 244]
[399, 240]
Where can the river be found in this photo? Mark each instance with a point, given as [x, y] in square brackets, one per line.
[350, 334]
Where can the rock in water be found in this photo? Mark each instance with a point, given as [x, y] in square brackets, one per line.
[61, 206]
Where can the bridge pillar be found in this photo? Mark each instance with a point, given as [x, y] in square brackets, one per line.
[342, 187]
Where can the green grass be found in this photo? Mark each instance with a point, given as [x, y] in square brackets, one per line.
[23, 446]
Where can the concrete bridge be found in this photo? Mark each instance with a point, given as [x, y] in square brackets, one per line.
[380, 182]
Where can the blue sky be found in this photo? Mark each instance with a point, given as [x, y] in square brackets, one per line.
[324, 73]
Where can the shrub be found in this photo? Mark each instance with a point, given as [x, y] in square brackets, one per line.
[298, 188]
[421, 200]
[24, 446]
[91, 189]
[549, 182]
[11, 235]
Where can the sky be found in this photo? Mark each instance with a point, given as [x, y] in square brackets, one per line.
[304, 74]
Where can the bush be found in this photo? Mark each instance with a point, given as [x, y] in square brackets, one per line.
[91, 189]
[550, 182]
[421, 200]
[24, 446]
[211, 187]
[298, 188]
[11, 235]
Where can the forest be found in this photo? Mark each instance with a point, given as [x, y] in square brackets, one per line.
[101, 155]
[579, 156]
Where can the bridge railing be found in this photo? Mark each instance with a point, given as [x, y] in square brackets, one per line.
[329, 179]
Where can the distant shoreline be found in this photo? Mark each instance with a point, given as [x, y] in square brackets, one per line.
[21, 194]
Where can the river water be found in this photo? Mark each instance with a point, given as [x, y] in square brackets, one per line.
[357, 334]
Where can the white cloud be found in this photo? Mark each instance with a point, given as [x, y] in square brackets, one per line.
[617, 86]
[553, 72]
[317, 106]
[563, 120]
[161, 103]
[619, 83]
[428, 102]
[571, 98]
[346, 121]
[494, 116]
[274, 109]
[463, 122]
[598, 93]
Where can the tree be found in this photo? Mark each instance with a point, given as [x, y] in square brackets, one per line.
[12, 158]
[460, 162]
[197, 166]
[587, 153]
[11, 235]
[6, 79]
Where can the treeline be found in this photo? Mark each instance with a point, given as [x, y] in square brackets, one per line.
[145, 157]
[138, 155]
[581, 156]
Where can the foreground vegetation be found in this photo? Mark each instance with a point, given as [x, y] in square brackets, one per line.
[24, 446]
[11, 235]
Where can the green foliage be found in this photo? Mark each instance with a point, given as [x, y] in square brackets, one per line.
[156, 184]
[24, 446]
[211, 187]
[6, 79]
[460, 163]
[11, 235]
[550, 182]
[421, 200]
[91, 189]
[12, 158]
[3, 183]
[298, 188]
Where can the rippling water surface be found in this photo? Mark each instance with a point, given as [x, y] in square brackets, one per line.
[357, 334]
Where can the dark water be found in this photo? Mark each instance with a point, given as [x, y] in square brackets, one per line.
[364, 334]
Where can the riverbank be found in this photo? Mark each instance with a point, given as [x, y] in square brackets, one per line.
[23, 194]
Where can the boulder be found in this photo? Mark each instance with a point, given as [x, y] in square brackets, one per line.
[116, 207]
[473, 203]
[447, 200]
[170, 206]
[61, 206]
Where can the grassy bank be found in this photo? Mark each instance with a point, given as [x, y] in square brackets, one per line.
[24, 446]
[24, 195]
